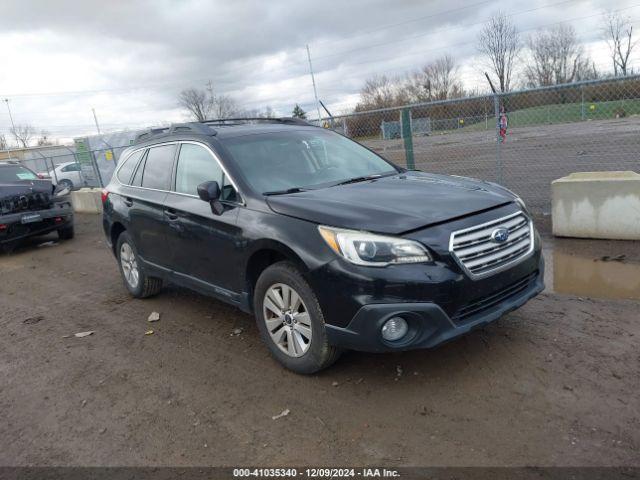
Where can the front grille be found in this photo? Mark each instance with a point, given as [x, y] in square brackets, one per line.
[478, 306]
[25, 202]
[480, 255]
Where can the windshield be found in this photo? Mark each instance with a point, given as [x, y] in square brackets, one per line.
[277, 162]
[15, 173]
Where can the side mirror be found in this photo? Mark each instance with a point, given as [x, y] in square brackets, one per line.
[210, 192]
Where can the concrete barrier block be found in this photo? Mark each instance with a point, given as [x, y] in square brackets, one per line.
[87, 200]
[597, 205]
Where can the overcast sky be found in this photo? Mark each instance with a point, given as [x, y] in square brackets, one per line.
[130, 59]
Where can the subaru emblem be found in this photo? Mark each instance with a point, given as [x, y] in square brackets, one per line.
[500, 235]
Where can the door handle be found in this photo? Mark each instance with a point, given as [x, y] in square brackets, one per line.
[128, 202]
[171, 214]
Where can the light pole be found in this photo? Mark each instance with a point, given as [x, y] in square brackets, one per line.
[13, 127]
[315, 92]
[95, 118]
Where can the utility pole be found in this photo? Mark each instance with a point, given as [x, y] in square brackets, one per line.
[95, 118]
[315, 92]
[6, 100]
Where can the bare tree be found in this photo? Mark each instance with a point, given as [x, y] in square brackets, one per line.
[618, 32]
[224, 107]
[23, 134]
[499, 42]
[381, 91]
[556, 57]
[205, 105]
[437, 80]
[197, 102]
[44, 139]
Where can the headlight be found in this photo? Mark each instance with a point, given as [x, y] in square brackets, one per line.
[364, 248]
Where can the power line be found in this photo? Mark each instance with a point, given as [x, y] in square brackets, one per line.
[274, 69]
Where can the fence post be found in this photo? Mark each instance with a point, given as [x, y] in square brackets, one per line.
[53, 169]
[582, 102]
[405, 125]
[94, 162]
[496, 108]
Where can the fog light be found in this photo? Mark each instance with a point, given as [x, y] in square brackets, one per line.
[394, 329]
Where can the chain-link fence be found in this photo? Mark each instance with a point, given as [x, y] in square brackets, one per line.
[89, 162]
[522, 140]
[75, 166]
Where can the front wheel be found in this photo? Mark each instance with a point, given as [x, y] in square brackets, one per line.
[290, 320]
[139, 284]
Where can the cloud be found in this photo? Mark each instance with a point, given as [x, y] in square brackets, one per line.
[129, 60]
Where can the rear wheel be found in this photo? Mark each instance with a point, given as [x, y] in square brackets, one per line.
[290, 320]
[65, 182]
[139, 284]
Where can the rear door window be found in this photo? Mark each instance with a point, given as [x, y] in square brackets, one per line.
[126, 170]
[158, 167]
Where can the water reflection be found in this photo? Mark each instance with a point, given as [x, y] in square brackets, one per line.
[587, 277]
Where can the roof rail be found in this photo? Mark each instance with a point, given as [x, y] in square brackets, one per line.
[191, 127]
[204, 128]
[240, 120]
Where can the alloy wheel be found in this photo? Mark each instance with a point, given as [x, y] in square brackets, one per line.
[129, 265]
[287, 319]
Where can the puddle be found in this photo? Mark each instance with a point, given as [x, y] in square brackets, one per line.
[587, 277]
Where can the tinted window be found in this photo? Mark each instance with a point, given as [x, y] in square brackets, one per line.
[15, 173]
[126, 170]
[157, 168]
[195, 165]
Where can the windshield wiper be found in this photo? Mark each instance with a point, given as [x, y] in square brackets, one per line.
[363, 178]
[284, 192]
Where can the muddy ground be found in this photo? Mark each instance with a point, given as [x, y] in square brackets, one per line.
[554, 383]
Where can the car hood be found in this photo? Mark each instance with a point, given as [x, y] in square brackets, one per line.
[393, 204]
[25, 195]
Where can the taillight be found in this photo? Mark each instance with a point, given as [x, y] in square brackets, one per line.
[105, 195]
[3, 226]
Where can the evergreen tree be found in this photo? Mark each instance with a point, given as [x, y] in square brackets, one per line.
[298, 112]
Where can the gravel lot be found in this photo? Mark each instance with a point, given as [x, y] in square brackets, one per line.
[531, 157]
[555, 383]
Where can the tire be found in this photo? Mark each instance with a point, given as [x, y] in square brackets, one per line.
[65, 182]
[308, 351]
[139, 284]
[8, 247]
[66, 233]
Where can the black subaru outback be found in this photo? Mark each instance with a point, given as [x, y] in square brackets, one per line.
[329, 245]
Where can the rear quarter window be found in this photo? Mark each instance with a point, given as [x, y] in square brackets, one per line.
[126, 170]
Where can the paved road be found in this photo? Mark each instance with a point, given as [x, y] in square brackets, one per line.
[554, 383]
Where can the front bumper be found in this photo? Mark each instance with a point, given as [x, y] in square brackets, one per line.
[60, 215]
[429, 324]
